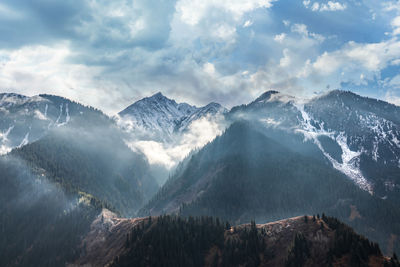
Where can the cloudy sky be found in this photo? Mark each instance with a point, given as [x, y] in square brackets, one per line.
[110, 53]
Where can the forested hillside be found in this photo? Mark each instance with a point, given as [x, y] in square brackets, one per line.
[52, 190]
[206, 241]
[246, 175]
[40, 224]
[96, 162]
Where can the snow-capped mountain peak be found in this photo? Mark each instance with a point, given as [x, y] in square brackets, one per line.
[274, 97]
[266, 96]
[159, 118]
[353, 132]
[24, 119]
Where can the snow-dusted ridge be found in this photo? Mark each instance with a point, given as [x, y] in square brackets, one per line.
[361, 129]
[25, 119]
[350, 159]
[166, 131]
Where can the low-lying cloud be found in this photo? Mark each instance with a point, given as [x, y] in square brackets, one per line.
[199, 133]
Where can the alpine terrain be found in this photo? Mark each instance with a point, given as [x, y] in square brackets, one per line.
[172, 184]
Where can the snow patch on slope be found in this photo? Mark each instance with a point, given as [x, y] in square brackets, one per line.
[350, 159]
[4, 135]
[385, 134]
[67, 117]
[270, 122]
[4, 148]
[59, 116]
[24, 141]
[45, 110]
[39, 115]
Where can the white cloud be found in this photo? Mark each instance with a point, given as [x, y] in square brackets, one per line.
[46, 69]
[193, 11]
[326, 63]
[209, 68]
[280, 37]
[286, 59]
[286, 22]
[199, 133]
[247, 23]
[395, 81]
[330, 6]
[206, 46]
[315, 7]
[211, 21]
[302, 30]
[392, 97]
[333, 6]
[391, 5]
[372, 57]
[396, 25]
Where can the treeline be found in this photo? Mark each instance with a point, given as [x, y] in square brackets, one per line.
[346, 240]
[206, 241]
[246, 250]
[172, 241]
[200, 241]
[346, 245]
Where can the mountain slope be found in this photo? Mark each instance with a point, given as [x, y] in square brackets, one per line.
[175, 241]
[26, 119]
[369, 130]
[53, 187]
[40, 224]
[357, 135]
[96, 162]
[246, 174]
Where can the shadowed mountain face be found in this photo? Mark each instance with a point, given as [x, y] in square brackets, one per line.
[40, 223]
[52, 188]
[280, 157]
[370, 131]
[80, 148]
[101, 166]
[359, 136]
[247, 174]
[175, 241]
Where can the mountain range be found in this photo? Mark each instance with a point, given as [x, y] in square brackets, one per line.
[160, 118]
[274, 158]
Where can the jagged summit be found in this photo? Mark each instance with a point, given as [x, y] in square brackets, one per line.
[156, 97]
[156, 102]
[266, 95]
[215, 106]
[12, 99]
[157, 117]
[158, 94]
